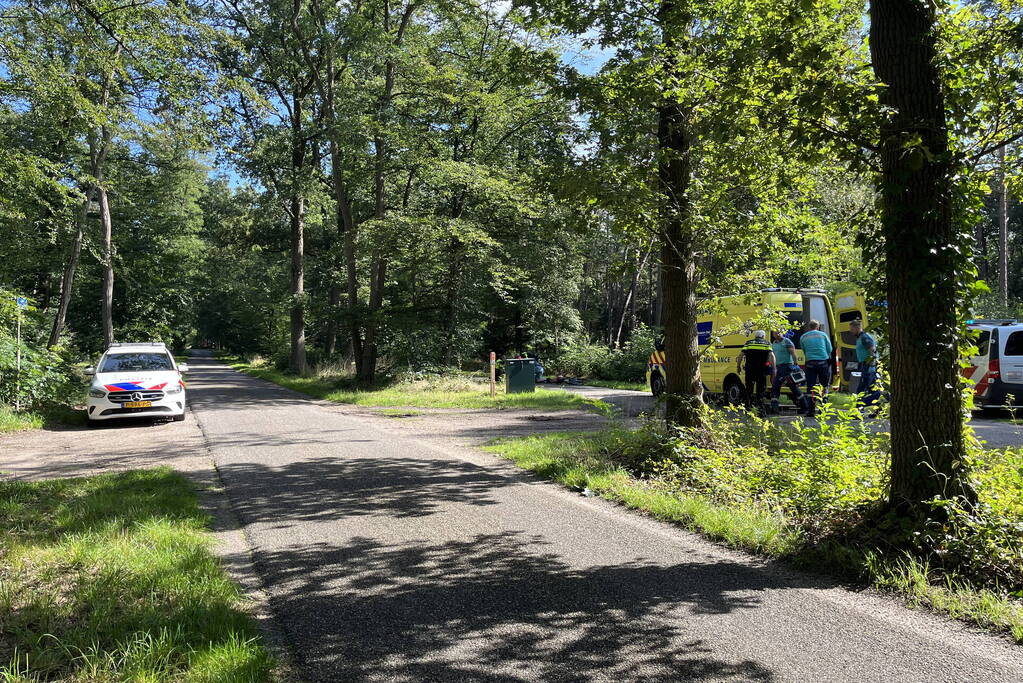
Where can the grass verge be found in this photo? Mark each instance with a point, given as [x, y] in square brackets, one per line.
[111, 577]
[615, 384]
[11, 421]
[428, 392]
[587, 460]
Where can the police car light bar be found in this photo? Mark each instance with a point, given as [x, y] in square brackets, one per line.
[137, 344]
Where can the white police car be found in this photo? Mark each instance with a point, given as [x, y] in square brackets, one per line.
[136, 380]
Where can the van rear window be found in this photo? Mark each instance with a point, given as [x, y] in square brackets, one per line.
[1014, 344]
[849, 316]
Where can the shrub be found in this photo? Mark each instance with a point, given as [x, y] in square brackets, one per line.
[627, 364]
[828, 480]
[47, 377]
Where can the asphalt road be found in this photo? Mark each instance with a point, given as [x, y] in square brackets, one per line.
[390, 557]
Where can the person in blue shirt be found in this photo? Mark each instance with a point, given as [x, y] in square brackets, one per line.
[866, 357]
[817, 348]
[785, 365]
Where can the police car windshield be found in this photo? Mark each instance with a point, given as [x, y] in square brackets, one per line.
[136, 362]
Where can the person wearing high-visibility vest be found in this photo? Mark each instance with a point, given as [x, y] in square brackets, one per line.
[817, 348]
[759, 360]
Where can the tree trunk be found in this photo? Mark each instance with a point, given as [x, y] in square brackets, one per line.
[97, 159]
[297, 361]
[108, 268]
[923, 271]
[1003, 231]
[68, 279]
[683, 386]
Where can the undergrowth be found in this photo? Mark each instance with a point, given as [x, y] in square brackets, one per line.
[808, 493]
[111, 578]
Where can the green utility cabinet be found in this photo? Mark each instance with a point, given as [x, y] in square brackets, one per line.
[519, 375]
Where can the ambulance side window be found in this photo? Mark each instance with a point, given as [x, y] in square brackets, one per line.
[983, 342]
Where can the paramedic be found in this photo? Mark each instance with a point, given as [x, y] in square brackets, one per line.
[759, 360]
[866, 358]
[817, 348]
[785, 364]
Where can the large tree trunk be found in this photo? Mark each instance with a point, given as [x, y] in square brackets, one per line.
[683, 386]
[108, 267]
[922, 268]
[297, 361]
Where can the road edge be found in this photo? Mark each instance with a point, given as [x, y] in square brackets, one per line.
[233, 547]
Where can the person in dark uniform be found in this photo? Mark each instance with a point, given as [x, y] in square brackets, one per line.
[758, 357]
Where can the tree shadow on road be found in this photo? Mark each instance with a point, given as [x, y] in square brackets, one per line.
[331, 488]
[502, 607]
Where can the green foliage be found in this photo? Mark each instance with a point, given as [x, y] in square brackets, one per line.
[112, 578]
[585, 359]
[48, 377]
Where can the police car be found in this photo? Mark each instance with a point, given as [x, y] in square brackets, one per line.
[136, 380]
[997, 369]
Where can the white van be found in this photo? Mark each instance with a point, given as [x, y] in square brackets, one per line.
[997, 369]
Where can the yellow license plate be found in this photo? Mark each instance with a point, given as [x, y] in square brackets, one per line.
[138, 404]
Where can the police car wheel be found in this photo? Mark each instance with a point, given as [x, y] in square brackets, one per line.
[656, 384]
[735, 393]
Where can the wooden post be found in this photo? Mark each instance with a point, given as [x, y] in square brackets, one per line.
[17, 382]
[493, 375]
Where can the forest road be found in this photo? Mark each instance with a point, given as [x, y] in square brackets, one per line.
[395, 558]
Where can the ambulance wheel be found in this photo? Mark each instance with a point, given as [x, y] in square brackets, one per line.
[735, 393]
[179, 418]
[656, 384]
[92, 424]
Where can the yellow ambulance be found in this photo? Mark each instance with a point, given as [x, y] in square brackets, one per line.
[728, 323]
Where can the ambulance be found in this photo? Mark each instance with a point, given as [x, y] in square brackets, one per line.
[997, 369]
[728, 322]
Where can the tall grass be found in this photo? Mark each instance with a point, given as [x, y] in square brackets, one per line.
[112, 578]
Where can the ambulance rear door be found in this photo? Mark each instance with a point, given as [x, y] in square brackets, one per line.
[848, 306]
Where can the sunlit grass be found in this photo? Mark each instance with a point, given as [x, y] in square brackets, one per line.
[11, 421]
[615, 384]
[432, 392]
[112, 578]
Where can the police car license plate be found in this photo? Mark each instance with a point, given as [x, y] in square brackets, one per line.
[138, 404]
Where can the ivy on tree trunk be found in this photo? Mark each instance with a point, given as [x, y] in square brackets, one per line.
[684, 389]
[923, 264]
